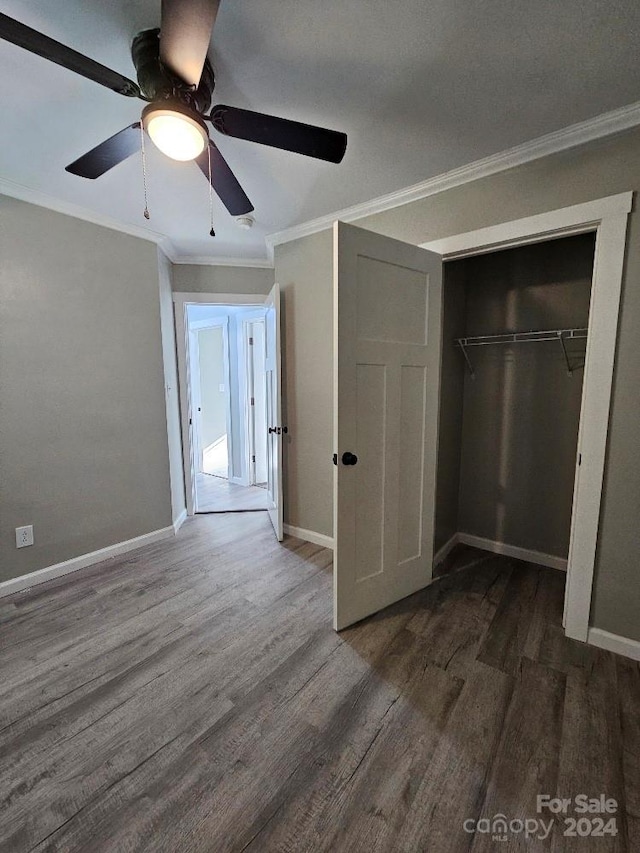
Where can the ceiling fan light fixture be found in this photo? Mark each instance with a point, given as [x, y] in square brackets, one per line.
[176, 130]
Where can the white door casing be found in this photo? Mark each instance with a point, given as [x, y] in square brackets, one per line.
[181, 304]
[273, 380]
[387, 338]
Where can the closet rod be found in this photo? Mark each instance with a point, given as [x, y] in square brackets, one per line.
[522, 338]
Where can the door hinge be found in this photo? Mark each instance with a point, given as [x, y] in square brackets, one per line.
[253, 401]
[579, 459]
[253, 458]
[250, 342]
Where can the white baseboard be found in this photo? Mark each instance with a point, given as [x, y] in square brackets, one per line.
[514, 551]
[50, 572]
[445, 550]
[180, 520]
[310, 536]
[614, 643]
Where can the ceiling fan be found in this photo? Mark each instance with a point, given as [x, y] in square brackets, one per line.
[177, 81]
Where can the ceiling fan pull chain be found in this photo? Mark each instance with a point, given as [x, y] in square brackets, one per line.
[212, 233]
[144, 173]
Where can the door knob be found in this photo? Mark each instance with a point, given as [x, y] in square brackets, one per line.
[349, 458]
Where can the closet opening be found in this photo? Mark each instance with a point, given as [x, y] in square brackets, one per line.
[514, 337]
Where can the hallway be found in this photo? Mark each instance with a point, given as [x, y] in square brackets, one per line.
[216, 494]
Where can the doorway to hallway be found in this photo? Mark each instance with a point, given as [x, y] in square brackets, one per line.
[227, 383]
[255, 389]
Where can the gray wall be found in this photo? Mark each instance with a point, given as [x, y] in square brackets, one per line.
[188, 278]
[83, 432]
[578, 175]
[172, 400]
[522, 409]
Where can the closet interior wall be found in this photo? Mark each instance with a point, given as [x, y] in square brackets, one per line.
[508, 436]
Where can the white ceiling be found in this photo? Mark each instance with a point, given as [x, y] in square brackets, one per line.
[419, 87]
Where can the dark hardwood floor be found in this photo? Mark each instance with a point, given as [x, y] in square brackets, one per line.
[192, 696]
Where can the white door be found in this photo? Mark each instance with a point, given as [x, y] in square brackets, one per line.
[258, 409]
[273, 377]
[387, 314]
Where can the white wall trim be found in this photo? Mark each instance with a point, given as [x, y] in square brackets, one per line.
[603, 125]
[530, 556]
[446, 549]
[207, 261]
[563, 222]
[256, 299]
[310, 536]
[180, 520]
[239, 481]
[614, 643]
[599, 127]
[40, 199]
[83, 561]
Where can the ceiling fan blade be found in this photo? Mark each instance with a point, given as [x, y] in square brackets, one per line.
[108, 154]
[224, 182]
[280, 133]
[23, 36]
[185, 34]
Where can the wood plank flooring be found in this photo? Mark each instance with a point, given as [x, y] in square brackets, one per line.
[192, 696]
[215, 494]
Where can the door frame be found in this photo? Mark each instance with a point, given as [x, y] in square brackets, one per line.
[607, 218]
[181, 301]
[249, 392]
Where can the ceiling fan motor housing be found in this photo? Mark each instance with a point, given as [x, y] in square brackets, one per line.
[158, 83]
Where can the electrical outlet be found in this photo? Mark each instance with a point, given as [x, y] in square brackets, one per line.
[24, 536]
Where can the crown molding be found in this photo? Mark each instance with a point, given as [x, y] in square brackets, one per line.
[206, 261]
[573, 136]
[603, 125]
[40, 199]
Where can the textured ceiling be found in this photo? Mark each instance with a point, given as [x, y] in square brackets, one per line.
[419, 87]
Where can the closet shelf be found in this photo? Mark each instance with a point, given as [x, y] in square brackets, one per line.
[541, 336]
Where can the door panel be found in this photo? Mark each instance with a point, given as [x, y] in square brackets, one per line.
[387, 298]
[369, 509]
[273, 381]
[412, 430]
